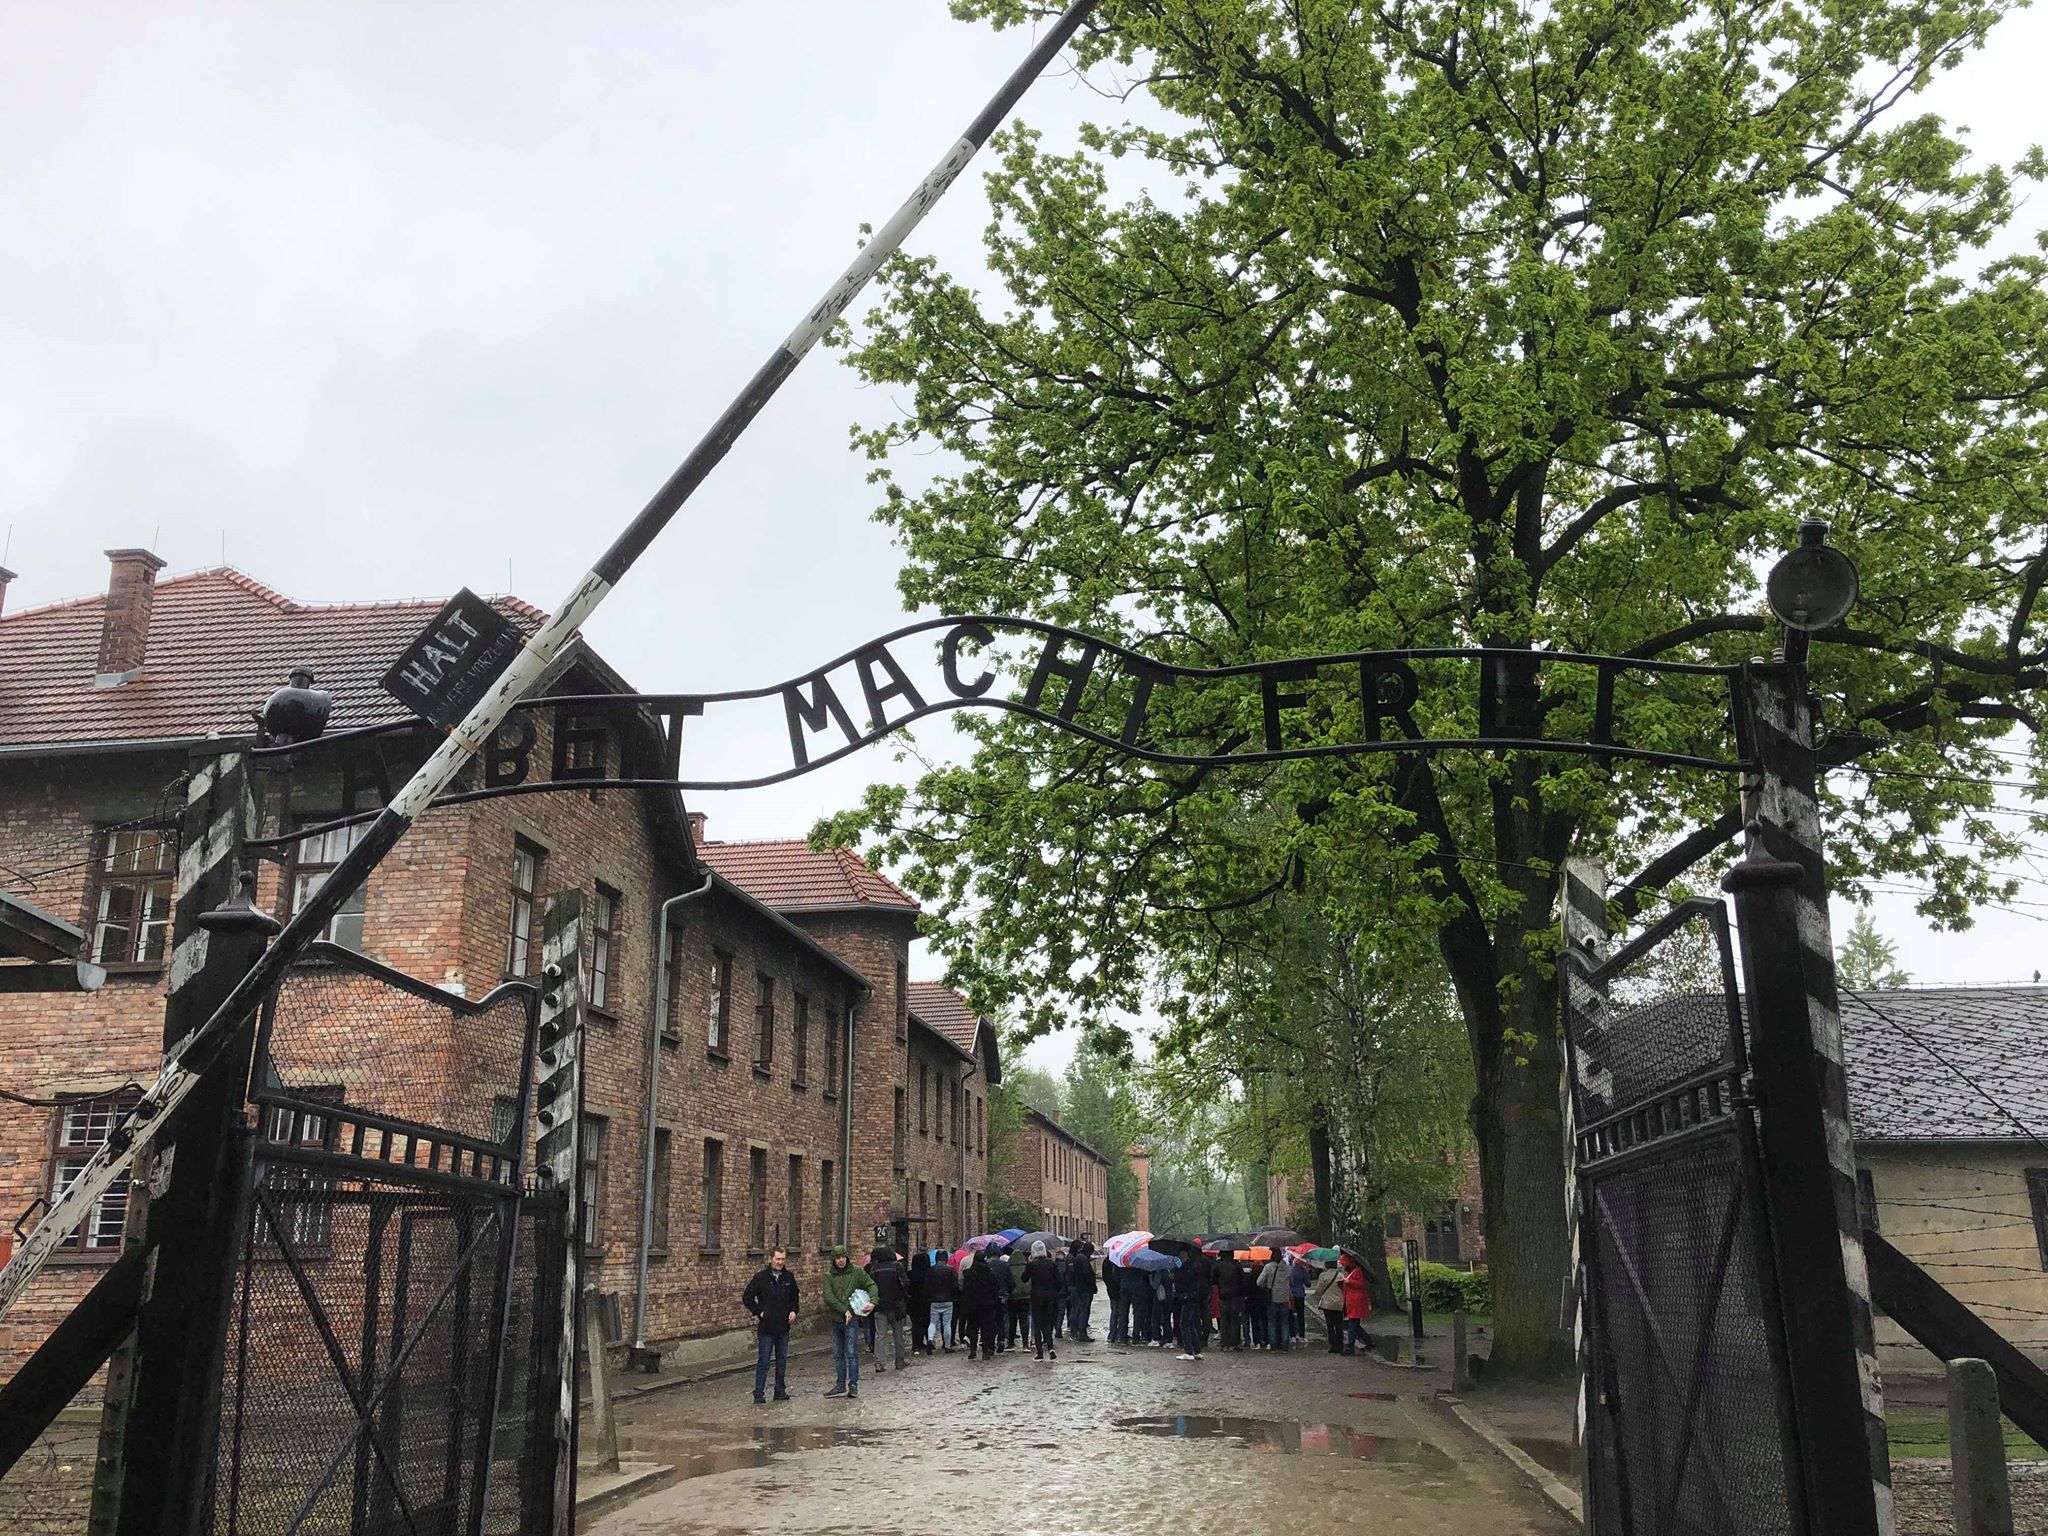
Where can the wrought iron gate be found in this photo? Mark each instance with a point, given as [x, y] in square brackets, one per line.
[1687, 1423]
[393, 1354]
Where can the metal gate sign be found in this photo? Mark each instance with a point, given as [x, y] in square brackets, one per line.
[467, 647]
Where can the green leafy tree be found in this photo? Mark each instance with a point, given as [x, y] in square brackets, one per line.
[1467, 323]
[1866, 958]
[1102, 1111]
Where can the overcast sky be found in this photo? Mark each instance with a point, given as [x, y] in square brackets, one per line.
[381, 300]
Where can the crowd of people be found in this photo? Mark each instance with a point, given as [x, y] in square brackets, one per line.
[998, 1301]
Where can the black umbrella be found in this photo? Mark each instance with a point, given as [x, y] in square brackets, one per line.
[1171, 1245]
[1354, 1256]
[1053, 1243]
[1276, 1237]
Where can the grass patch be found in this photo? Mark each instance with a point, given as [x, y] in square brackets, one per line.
[1926, 1434]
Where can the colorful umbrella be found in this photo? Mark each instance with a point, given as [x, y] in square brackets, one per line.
[1255, 1255]
[959, 1255]
[1321, 1255]
[983, 1241]
[1118, 1249]
[1010, 1234]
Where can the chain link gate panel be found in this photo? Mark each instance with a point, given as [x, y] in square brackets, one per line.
[1688, 1426]
[392, 1354]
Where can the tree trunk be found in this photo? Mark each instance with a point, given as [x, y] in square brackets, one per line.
[1319, 1169]
[1518, 1122]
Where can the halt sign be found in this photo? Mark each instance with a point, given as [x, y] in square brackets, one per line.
[450, 663]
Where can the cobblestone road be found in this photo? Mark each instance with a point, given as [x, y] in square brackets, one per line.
[1104, 1440]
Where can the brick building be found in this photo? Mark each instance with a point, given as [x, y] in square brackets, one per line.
[1060, 1175]
[750, 1028]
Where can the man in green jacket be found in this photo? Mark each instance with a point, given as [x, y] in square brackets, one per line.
[842, 1278]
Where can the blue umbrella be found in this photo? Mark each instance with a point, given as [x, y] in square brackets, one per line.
[1010, 1234]
[1149, 1258]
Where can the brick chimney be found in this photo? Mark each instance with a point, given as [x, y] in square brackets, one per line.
[124, 621]
[696, 821]
[5, 577]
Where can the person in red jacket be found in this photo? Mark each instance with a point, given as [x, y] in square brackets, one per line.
[1357, 1305]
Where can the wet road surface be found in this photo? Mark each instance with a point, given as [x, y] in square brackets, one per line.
[1104, 1440]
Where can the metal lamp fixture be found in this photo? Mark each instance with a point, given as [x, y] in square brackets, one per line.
[1811, 588]
[1815, 585]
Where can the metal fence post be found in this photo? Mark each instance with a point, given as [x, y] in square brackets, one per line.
[1809, 1165]
[558, 1114]
[1980, 1496]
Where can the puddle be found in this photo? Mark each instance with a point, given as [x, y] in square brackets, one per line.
[1288, 1438]
[1550, 1455]
[688, 1453]
[1375, 1397]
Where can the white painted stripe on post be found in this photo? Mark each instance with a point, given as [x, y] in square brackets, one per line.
[188, 959]
[879, 249]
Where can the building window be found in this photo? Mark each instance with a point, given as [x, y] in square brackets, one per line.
[939, 1199]
[800, 1038]
[1866, 1201]
[138, 877]
[1393, 1226]
[764, 1020]
[902, 1000]
[591, 1158]
[899, 1130]
[313, 860]
[504, 1115]
[923, 1125]
[757, 1199]
[519, 946]
[1440, 1237]
[713, 1194]
[923, 1231]
[720, 1038]
[956, 1095]
[2037, 1197]
[828, 1210]
[604, 922]
[796, 1204]
[657, 1230]
[83, 1125]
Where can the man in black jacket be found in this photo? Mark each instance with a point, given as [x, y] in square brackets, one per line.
[1080, 1291]
[1191, 1300]
[892, 1302]
[771, 1297]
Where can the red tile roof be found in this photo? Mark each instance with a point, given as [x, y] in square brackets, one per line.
[947, 1012]
[791, 876]
[220, 643]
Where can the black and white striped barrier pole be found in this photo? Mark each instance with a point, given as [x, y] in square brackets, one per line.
[1587, 1094]
[1809, 1159]
[182, 1066]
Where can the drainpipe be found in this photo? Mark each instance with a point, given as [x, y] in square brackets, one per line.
[658, 1022]
[846, 1115]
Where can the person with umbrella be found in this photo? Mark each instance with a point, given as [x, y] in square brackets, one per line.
[843, 1278]
[1297, 1299]
[1276, 1286]
[997, 1257]
[1045, 1300]
[1357, 1304]
[1080, 1289]
[1327, 1295]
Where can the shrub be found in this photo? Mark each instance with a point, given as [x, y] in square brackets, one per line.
[1445, 1289]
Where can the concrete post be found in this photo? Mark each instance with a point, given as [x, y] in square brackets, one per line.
[1461, 1369]
[602, 1420]
[1981, 1499]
